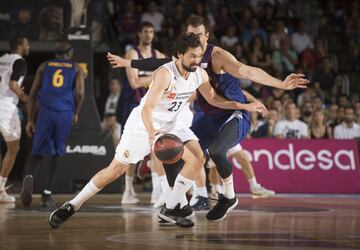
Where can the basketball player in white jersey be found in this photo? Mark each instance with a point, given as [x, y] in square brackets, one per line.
[12, 72]
[172, 85]
[134, 89]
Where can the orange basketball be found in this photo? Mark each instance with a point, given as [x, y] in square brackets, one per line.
[169, 148]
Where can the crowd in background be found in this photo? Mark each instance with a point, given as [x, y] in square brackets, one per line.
[318, 38]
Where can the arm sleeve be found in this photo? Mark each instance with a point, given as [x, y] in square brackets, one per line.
[19, 70]
[149, 64]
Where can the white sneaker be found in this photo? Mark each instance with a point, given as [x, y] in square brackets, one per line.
[194, 199]
[5, 198]
[160, 201]
[129, 198]
[261, 192]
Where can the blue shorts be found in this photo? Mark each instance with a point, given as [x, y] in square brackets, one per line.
[51, 132]
[206, 128]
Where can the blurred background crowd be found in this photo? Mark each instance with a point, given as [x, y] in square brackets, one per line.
[318, 38]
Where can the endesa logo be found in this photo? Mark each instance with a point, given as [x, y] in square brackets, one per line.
[292, 158]
[86, 149]
[171, 96]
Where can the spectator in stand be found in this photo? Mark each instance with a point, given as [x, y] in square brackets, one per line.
[285, 59]
[229, 40]
[348, 129]
[311, 58]
[331, 117]
[277, 35]
[318, 103]
[51, 23]
[307, 112]
[324, 78]
[306, 95]
[223, 21]
[341, 86]
[201, 9]
[174, 23]
[255, 125]
[254, 30]
[258, 55]
[301, 40]
[21, 24]
[277, 105]
[112, 102]
[128, 23]
[153, 16]
[110, 123]
[343, 100]
[318, 129]
[291, 127]
[267, 129]
[240, 53]
[267, 20]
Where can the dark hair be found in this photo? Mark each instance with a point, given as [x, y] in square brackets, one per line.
[15, 42]
[145, 25]
[62, 47]
[110, 114]
[196, 21]
[186, 41]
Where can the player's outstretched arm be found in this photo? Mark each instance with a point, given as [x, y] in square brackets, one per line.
[148, 64]
[79, 92]
[210, 95]
[234, 67]
[160, 83]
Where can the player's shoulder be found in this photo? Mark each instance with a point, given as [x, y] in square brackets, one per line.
[218, 52]
[132, 54]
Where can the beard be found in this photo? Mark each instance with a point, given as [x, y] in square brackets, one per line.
[188, 68]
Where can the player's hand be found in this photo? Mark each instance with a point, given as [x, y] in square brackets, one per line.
[255, 107]
[153, 136]
[117, 61]
[30, 129]
[294, 81]
[75, 119]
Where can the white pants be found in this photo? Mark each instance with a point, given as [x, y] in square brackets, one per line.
[10, 126]
[134, 144]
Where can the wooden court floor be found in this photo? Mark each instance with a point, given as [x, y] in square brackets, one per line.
[282, 222]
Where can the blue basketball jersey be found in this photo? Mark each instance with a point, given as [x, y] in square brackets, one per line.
[57, 85]
[225, 85]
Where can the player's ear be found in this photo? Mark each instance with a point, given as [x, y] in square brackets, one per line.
[207, 34]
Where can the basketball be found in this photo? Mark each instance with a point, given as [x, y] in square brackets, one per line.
[169, 148]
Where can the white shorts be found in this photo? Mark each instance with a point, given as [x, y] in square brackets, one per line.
[10, 126]
[234, 149]
[134, 143]
[186, 115]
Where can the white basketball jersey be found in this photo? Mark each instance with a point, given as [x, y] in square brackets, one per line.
[6, 69]
[176, 95]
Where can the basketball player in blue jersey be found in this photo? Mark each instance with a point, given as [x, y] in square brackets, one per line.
[172, 82]
[220, 130]
[135, 87]
[58, 88]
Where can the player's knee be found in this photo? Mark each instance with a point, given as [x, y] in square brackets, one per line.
[117, 170]
[216, 152]
[13, 147]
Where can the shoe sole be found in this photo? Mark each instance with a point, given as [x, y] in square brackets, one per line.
[177, 222]
[26, 191]
[51, 223]
[254, 196]
[229, 209]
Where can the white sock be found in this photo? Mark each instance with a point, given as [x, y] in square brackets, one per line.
[229, 187]
[182, 184]
[155, 179]
[129, 183]
[253, 183]
[220, 188]
[2, 183]
[164, 185]
[86, 193]
[202, 191]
